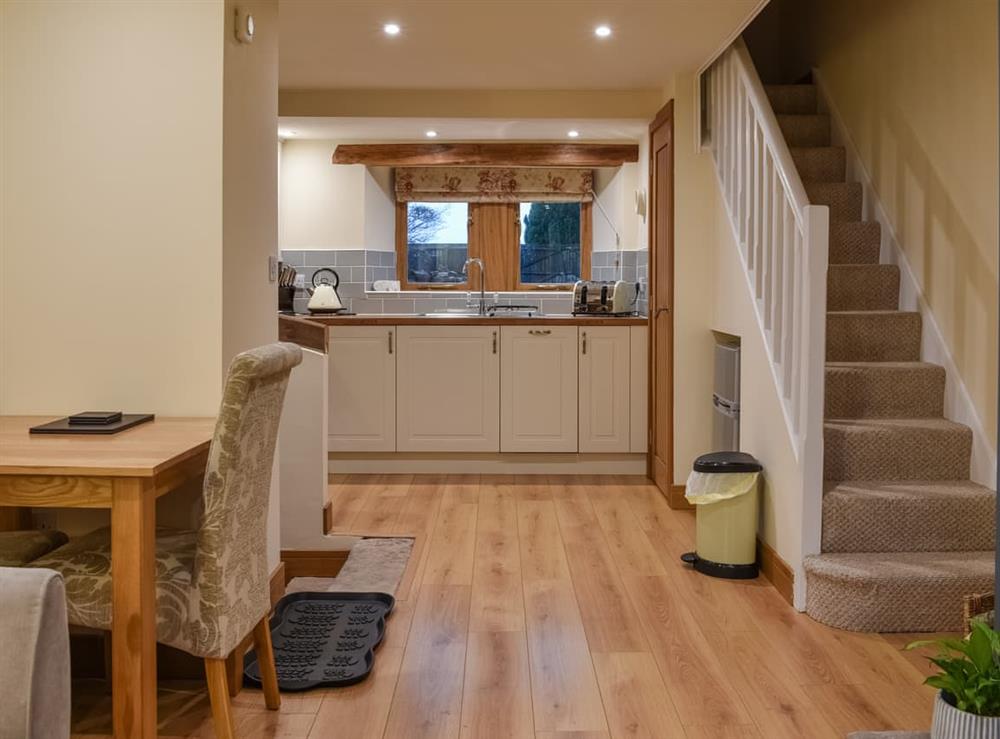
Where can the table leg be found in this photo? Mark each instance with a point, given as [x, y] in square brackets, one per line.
[133, 635]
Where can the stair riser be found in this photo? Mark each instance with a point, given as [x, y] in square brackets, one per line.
[826, 164]
[906, 453]
[875, 337]
[792, 99]
[857, 242]
[862, 288]
[863, 606]
[843, 198]
[959, 523]
[805, 130]
[874, 392]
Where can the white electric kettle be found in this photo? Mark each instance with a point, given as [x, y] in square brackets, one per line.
[323, 296]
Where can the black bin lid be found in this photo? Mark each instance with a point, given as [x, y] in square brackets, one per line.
[724, 462]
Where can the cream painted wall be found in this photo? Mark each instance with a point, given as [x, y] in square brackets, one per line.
[695, 194]
[380, 209]
[250, 201]
[111, 227]
[916, 84]
[322, 205]
[615, 189]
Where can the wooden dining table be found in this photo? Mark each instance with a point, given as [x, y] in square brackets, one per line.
[124, 472]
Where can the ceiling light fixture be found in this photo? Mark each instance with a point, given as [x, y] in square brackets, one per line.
[286, 133]
[431, 134]
[391, 29]
[573, 134]
[602, 31]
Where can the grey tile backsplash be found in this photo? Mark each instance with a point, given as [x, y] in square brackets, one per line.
[359, 268]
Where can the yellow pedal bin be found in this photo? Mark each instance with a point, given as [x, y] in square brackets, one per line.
[724, 488]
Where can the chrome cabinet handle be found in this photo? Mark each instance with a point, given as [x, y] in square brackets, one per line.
[494, 342]
[539, 332]
[390, 342]
[584, 335]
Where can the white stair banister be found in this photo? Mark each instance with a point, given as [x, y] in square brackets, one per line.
[783, 243]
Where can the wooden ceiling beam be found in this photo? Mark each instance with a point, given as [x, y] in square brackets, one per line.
[487, 155]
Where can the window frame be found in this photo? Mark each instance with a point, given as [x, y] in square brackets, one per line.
[495, 243]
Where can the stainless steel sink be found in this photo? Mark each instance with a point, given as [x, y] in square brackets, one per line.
[452, 314]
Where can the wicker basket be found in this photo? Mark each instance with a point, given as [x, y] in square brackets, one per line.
[977, 608]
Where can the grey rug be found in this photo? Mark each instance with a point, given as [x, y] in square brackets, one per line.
[374, 565]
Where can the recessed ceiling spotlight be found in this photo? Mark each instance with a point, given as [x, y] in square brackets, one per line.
[286, 133]
[573, 134]
[391, 29]
[602, 31]
[431, 134]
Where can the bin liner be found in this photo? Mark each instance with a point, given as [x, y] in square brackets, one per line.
[721, 476]
[707, 487]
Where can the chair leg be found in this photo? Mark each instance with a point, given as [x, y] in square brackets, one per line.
[234, 667]
[218, 693]
[265, 658]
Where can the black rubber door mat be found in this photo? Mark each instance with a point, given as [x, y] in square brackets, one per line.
[324, 640]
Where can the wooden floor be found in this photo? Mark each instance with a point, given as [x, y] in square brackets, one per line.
[556, 608]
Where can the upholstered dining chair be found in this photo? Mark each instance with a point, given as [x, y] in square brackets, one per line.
[212, 584]
[18, 548]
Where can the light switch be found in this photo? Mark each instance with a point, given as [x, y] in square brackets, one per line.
[272, 268]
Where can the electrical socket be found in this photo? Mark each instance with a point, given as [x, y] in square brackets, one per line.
[300, 280]
[272, 268]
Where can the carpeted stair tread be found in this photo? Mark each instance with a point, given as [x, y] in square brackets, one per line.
[855, 242]
[805, 129]
[795, 99]
[820, 163]
[873, 336]
[884, 390]
[891, 592]
[843, 198]
[911, 516]
[862, 287]
[896, 449]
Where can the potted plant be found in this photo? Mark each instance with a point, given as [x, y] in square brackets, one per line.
[968, 701]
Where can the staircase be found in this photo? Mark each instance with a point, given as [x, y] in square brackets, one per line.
[905, 533]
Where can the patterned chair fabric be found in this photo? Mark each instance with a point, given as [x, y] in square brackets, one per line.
[18, 548]
[212, 584]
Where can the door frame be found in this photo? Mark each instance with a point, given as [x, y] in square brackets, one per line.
[673, 493]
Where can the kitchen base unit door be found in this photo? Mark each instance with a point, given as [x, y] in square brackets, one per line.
[448, 389]
[604, 389]
[362, 389]
[538, 382]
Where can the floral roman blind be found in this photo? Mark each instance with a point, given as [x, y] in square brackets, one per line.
[493, 185]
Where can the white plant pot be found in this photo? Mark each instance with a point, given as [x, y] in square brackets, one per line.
[950, 723]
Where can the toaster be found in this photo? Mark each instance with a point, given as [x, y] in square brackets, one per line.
[607, 297]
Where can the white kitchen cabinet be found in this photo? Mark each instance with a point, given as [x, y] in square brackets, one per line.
[448, 389]
[362, 389]
[604, 389]
[538, 389]
[639, 389]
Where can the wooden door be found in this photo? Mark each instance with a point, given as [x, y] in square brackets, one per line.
[661, 302]
[604, 389]
[538, 389]
[362, 389]
[448, 389]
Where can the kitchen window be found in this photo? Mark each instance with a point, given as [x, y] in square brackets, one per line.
[446, 216]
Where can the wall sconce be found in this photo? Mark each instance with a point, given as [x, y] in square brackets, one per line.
[244, 26]
[640, 203]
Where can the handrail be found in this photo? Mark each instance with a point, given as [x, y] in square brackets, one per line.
[769, 126]
[783, 243]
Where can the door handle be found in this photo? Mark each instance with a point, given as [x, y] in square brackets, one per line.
[584, 337]
[390, 342]
[539, 332]
[494, 342]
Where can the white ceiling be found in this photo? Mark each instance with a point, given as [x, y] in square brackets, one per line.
[500, 44]
[459, 129]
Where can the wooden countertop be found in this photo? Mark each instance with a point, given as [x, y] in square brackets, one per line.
[412, 320]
